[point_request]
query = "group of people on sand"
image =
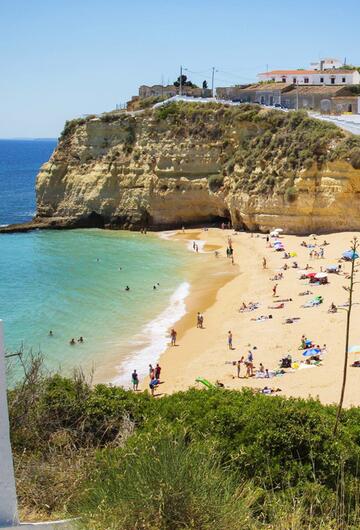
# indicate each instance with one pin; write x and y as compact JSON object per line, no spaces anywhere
{"x":248,"y":363}
{"x":154,"y":375}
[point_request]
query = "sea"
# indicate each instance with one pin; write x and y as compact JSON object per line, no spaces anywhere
{"x":73,"y":283}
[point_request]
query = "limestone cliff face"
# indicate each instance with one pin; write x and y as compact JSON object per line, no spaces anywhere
{"x":164,"y":169}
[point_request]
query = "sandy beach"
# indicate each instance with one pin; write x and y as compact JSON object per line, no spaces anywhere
{"x":205,"y":352}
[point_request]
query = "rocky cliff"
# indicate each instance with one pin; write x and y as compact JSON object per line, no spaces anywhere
{"x":187,"y":164}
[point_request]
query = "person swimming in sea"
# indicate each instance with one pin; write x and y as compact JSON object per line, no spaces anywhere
{"x":127,"y":288}
{"x":81,"y":339}
{"x":51,"y":334}
{"x":72,"y":342}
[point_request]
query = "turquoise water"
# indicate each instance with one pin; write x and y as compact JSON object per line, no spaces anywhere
{"x":69,"y":282}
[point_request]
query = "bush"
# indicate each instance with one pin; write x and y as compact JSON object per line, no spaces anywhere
{"x":355,"y":158}
{"x":291,"y":194}
{"x":160,"y":482}
{"x":215,"y":182}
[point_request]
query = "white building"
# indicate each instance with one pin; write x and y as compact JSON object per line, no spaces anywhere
{"x":327,"y":63}
{"x":313,"y":77}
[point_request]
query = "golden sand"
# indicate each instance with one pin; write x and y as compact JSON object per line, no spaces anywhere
{"x":219,"y":292}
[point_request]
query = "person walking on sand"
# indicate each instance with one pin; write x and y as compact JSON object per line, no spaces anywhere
{"x":198,"y":320}
{"x":230,"y":340}
{"x":152,"y":385}
{"x":264,"y":263}
{"x":173,"y":335}
{"x":157,"y":371}
{"x":135,"y":380}
{"x":274,"y":289}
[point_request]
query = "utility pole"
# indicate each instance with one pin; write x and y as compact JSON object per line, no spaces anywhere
{"x":212,"y":81}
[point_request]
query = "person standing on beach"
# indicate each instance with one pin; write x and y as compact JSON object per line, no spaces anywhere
{"x":264,"y":263}
{"x":151,"y":371}
{"x":274,"y":289}
{"x":230,"y":339}
{"x":238,"y":366}
{"x":157,"y":371}
{"x":173,"y":335}
{"x":135,"y":380}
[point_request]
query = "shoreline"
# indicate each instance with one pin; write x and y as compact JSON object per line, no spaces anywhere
{"x":199,"y":292}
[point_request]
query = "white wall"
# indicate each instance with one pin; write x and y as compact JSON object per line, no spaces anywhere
{"x":351,"y":78}
{"x":8,"y":502}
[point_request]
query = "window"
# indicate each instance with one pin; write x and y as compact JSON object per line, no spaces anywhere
{"x":294,"y":80}
{"x":343,"y":79}
{"x":321,"y":79}
{"x":306,"y":80}
{"x":332,"y":80}
{"x":283,"y":79}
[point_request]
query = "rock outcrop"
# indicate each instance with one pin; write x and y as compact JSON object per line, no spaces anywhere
{"x":190,"y":164}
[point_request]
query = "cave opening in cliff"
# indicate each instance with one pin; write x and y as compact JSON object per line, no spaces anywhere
{"x":218,"y":220}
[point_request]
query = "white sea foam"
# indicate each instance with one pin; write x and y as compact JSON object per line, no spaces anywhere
{"x":154,"y":338}
{"x":167,"y":234}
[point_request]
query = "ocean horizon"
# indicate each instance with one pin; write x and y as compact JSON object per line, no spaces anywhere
{"x":73,"y":283}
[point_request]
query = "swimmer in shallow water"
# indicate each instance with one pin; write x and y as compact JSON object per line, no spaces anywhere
{"x":81,"y":339}
{"x":51,"y":333}
{"x":72,"y":342}
{"x":127,"y":288}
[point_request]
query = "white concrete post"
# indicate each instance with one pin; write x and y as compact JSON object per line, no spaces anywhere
{"x":8,"y":501}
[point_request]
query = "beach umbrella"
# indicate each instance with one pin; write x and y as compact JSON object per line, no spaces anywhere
{"x":293,"y":254}
{"x":274,"y":234}
{"x":354,"y":349}
{"x":278,"y":230}
{"x":311,"y":274}
{"x":332,"y":267}
{"x":311,"y":352}
{"x":312,"y":235}
{"x":350,"y":254}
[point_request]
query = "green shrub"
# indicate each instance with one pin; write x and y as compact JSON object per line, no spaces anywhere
{"x":291,"y":194}
{"x":161,"y":482}
{"x":215,"y":182}
{"x":355,"y":158}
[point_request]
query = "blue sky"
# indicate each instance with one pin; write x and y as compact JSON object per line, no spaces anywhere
{"x":60,"y":59}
